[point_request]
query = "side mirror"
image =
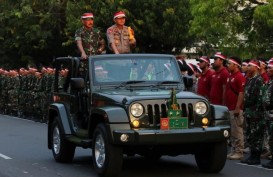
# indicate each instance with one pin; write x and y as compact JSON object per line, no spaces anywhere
{"x":77,"y":83}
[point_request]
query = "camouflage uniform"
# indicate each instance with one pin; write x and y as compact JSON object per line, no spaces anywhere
{"x":13,"y":85}
{"x":29,"y":96}
{"x":1,"y":92}
{"x":48,"y":79}
{"x":22,"y":95}
{"x":92,"y":40}
{"x":41,"y":97}
{"x":4,"y":94}
{"x":253,"y":113}
{"x":37,"y":100}
{"x":268,"y":106}
{"x":26,"y":94}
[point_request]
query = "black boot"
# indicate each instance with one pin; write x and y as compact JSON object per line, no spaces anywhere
{"x":253,"y":159}
{"x":269,"y":164}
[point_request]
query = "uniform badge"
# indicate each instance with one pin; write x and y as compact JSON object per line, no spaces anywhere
{"x":110,"y":30}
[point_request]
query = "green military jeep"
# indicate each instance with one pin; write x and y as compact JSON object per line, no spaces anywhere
{"x":132,"y":104}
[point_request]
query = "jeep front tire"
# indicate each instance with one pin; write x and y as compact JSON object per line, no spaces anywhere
{"x":212,"y":157}
{"x":107,"y":158}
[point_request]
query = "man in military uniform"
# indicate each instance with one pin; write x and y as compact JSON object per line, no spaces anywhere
{"x":4,"y":91}
{"x":89,"y":40}
{"x":23,"y":89}
{"x":31,"y":92}
{"x":268,"y":105}
{"x":2,"y":100}
{"x":120,"y":37}
{"x":12,"y":87}
{"x":254,"y":113}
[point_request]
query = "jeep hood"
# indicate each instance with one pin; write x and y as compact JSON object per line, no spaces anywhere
{"x":130,"y":96}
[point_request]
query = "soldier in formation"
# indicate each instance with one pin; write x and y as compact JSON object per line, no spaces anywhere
{"x":268,"y":108}
{"x":26,"y":93}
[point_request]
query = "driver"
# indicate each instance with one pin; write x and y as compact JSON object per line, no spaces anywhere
{"x":100,"y":73}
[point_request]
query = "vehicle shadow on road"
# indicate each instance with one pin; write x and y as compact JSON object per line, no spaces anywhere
{"x":137,"y":166}
{"x":140,"y":166}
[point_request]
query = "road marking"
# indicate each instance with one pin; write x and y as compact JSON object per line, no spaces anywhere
{"x":5,"y":157}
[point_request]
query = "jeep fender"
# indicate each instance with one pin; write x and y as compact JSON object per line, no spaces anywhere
{"x":58,"y":111}
{"x":112,"y":114}
{"x":114,"y":118}
{"x":220,"y":114}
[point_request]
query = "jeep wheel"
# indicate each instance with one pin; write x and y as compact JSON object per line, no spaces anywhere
{"x":212,"y":158}
{"x":63,"y":150}
{"x":107,"y":158}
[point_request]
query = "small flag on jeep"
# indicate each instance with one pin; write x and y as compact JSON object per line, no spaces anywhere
{"x":172,"y":102}
{"x":174,"y":119}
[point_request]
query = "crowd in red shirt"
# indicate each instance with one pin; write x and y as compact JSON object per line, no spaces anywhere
{"x":223,"y":83}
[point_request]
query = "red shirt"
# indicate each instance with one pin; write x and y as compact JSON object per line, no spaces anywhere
{"x":235,"y":84}
{"x":265,"y":77}
{"x":218,"y":81}
{"x":203,"y":85}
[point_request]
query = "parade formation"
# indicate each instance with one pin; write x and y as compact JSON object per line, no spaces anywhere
{"x":26,"y":93}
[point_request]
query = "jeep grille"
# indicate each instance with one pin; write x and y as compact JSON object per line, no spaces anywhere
{"x":158,"y":109}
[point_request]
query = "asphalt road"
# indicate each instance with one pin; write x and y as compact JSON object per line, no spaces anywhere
{"x":24,"y":153}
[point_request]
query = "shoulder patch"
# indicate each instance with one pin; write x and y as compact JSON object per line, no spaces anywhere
{"x":110,"y":30}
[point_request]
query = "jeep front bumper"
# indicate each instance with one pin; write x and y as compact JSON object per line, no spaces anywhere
{"x":181,"y":136}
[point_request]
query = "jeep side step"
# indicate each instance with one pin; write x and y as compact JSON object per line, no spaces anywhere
{"x":84,"y":143}
{"x":82,"y":133}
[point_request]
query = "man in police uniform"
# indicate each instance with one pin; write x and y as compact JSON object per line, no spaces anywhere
{"x":89,"y":40}
{"x":120,"y":37}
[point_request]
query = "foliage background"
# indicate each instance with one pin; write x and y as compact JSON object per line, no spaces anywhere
{"x":34,"y":32}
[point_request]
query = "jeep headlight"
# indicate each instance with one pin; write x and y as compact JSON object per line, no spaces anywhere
{"x":201,"y":108}
{"x":136,"y":110}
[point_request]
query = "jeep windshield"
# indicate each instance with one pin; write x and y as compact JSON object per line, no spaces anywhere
{"x":135,"y":70}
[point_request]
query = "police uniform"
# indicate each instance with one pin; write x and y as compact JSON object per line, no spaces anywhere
{"x":120,"y":38}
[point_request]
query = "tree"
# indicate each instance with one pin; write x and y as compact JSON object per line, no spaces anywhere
{"x":262,"y":29}
{"x":233,"y":27}
{"x":215,"y":22}
{"x":161,"y":26}
{"x":32,"y":29}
